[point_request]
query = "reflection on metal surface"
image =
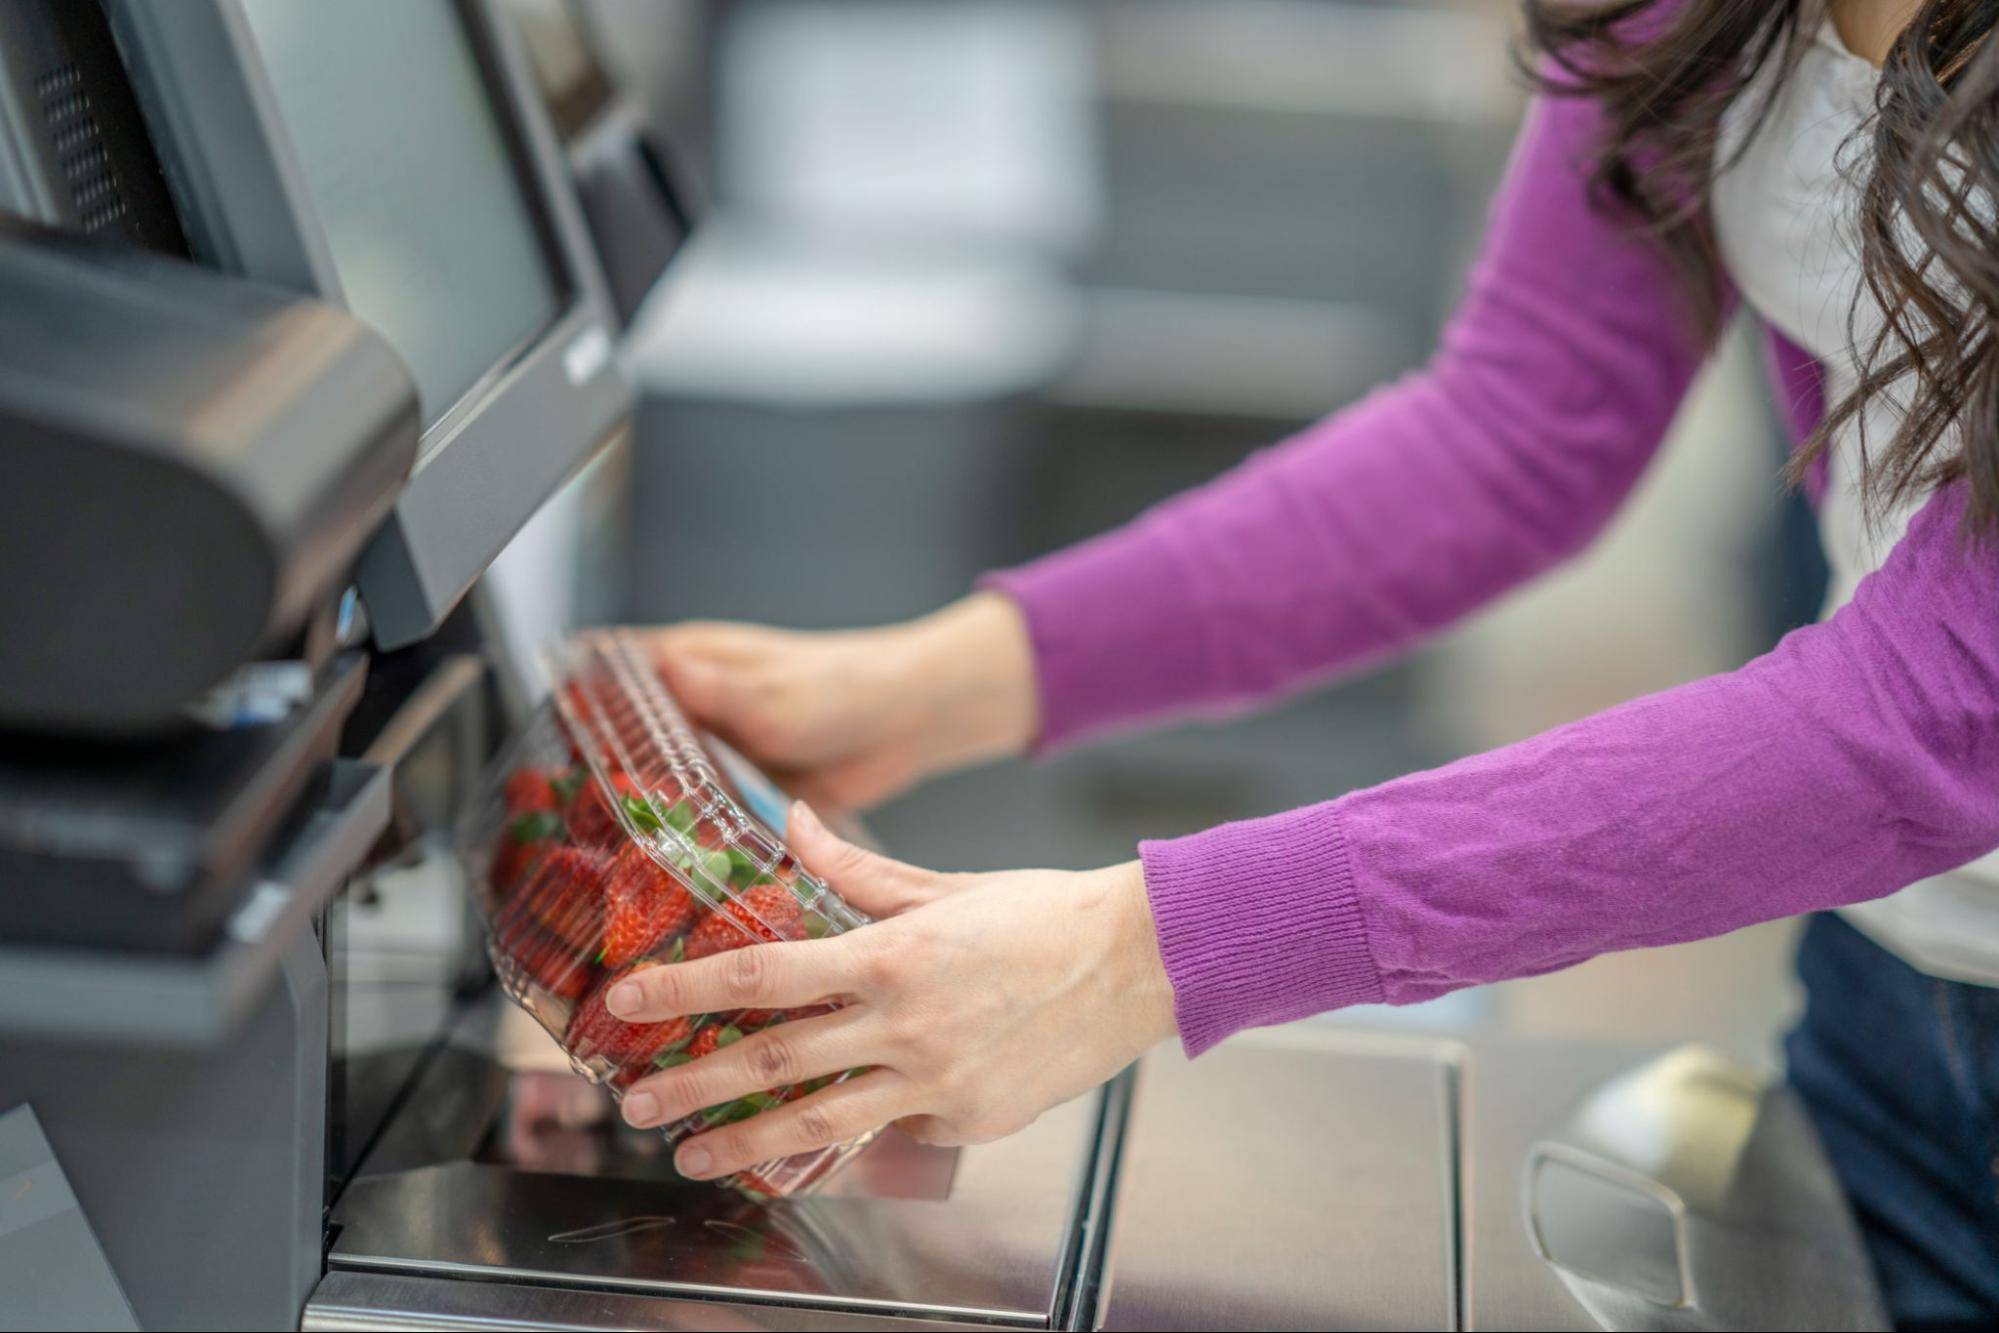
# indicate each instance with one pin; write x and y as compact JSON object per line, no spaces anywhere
{"x":555,"y":1121}
{"x":624,"y":1226}
{"x":783,"y":1245}
{"x":1691,"y":1193}
{"x":1300,"y":1186}
{"x":995,"y":1250}
{"x":1311,"y":1177}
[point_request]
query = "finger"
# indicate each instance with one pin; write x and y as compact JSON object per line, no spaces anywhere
{"x":711,"y":691}
{"x":833,"y":1115}
{"x":868,"y":880}
{"x":781,"y":1055}
{"x":787,"y":975}
{"x":714,"y":640}
{"x":854,"y":784}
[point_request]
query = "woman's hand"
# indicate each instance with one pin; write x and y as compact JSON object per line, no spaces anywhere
{"x":974,"y":1002}
{"x":850,"y":718}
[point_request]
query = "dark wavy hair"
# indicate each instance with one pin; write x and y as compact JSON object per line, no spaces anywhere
{"x":1666,"y":70}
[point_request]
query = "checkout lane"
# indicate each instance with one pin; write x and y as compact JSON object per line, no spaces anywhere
{"x":343,"y":1124}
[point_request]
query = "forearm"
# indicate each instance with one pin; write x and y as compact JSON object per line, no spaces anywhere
{"x":1857,"y":757}
{"x":1555,"y":381}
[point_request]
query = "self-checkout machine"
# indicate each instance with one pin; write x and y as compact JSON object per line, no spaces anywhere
{"x":305,"y":318}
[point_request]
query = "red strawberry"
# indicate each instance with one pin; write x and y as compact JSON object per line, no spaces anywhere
{"x":766,"y":913}
{"x":591,"y":819}
{"x":644,"y":905}
{"x":548,"y":962}
{"x":751,"y":1182}
{"x":594,"y":1033}
{"x":511,"y":863}
{"x":529,"y":789}
{"x":520,"y":844}
{"x":565,"y":896}
{"x":707,"y":1041}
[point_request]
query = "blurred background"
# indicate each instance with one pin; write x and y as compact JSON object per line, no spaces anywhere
{"x":978,"y":278}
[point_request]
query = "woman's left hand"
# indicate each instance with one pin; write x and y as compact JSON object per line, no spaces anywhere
{"x":974,"y":1003}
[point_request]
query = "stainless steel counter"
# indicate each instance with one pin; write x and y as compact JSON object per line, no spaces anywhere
{"x":390,"y":1301}
{"x":495,"y":1187}
{"x":1300,"y":1180}
{"x":1308,"y":1177}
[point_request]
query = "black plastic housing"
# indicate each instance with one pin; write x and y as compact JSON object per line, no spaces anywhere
{"x":192,"y":462}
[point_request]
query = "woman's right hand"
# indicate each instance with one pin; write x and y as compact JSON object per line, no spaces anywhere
{"x":846,"y":719}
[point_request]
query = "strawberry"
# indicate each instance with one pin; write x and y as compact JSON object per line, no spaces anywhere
{"x":563,"y":896}
{"x":756,"y":1185}
{"x":711,"y":1039}
{"x":594,"y":1033}
{"x":643,"y":904}
{"x":528,"y":790}
{"x":548,"y":962}
{"x":520,"y":845}
{"x":511,"y":863}
{"x":766,"y":914}
{"x":591,"y":819}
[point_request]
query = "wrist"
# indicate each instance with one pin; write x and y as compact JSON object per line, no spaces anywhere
{"x":972,"y":664}
{"x":1135,"y":964}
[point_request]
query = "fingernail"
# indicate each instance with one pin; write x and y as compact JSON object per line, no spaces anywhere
{"x":692,"y":1160}
{"x":624,"y":999}
{"x":641,"y":1109}
{"x":802,"y":817}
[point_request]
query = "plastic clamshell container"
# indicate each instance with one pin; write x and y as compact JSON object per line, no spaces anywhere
{"x":608,"y":839}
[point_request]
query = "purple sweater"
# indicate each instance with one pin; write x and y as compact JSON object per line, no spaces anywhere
{"x":1859,"y":755}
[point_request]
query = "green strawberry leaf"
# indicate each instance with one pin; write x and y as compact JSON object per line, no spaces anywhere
{"x":728,"y":1036}
{"x":535,"y":826}
{"x":641,"y":812}
{"x":728,"y":1113}
{"x":678,"y":953}
{"x":569,"y":784}
{"x":673,"y":1059}
{"x":680,"y":817}
{"x":719,"y":867}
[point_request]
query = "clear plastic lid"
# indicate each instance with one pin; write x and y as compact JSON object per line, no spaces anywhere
{"x":612,"y":837}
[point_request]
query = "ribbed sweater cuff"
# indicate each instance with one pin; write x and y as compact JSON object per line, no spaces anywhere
{"x":1259,"y":922}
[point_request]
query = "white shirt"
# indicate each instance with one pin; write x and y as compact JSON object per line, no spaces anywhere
{"x":1784,"y":216}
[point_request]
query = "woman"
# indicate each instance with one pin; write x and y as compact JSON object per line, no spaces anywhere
{"x":1833,"y":168}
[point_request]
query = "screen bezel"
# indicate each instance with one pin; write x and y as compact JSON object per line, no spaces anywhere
{"x":246,"y":208}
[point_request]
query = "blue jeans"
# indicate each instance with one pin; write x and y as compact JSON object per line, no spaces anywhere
{"x":1901,"y":1074}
